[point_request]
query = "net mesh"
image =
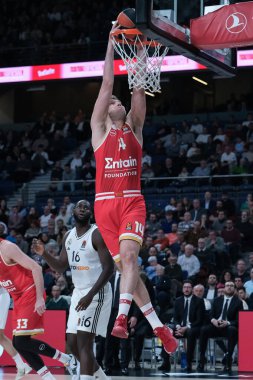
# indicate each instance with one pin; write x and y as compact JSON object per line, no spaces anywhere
{"x":143,"y":60}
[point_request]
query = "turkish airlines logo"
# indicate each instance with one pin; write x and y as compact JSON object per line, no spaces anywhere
{"x":236,"y":22}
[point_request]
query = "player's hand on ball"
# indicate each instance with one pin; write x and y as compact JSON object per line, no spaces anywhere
{"x":38,"y":247}
{"x":40,"y":306}
{"x":84,"y":302}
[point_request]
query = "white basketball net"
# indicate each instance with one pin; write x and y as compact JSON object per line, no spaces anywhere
{"x":143,"y":60}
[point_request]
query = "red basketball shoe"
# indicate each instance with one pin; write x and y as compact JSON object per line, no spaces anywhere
{"x":120,"y":327}
{"x":165,"y":335}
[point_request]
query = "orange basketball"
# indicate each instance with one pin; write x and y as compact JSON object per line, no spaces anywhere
{"x":126,"y":18}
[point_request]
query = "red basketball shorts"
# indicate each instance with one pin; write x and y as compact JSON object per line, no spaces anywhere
{"x":119,"y":219}
{"x":25,"y":320}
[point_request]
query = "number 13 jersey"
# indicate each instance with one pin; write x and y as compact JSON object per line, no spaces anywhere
{"x":84,"y":261}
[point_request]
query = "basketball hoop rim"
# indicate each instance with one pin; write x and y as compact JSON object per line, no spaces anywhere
{"x":132,"y":32}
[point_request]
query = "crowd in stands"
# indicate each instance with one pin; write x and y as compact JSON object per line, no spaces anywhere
{"x":26,"y":24}
{"x":41,"y":147}
{"x":199,"y":149}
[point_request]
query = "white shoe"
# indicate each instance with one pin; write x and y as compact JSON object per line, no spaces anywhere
{"x":71,"y":365}
{"x":22,"y":371}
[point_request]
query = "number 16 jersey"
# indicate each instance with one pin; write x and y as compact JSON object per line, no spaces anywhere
{"x":84,"y":261}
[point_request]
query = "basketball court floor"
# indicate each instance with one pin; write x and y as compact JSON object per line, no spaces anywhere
{"x":8,"y":373}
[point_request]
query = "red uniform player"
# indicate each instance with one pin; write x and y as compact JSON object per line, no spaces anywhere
{"x":119,"y":206}
{"x":22,"y":278}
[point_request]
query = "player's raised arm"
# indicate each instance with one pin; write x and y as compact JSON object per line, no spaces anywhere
{"x":58,"y":263}
{"x":137,"y":113}
{"x":100,"y":111}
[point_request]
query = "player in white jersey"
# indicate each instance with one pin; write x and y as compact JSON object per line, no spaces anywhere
{"x":5,"y":342}
{"x":91,"y":264}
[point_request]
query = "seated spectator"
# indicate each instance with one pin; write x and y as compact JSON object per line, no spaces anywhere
{"x":146,"y":158}
{"x":63,"y":215}
{"x":63,"y":285}
{"x":150,"y":270}
{"x":162,"y":284}
{"x":206,"y":256}
{"x":208,"y":203}
{"x":226,"y":275}
{"x":249,"y":284}
{"x":241,"y":270}
{"x":76,"y":162}
{"x":15,"y":220}
{"x":152,"y":224}
{"x":232,"y":239}
{"x":32,"y":216}
{"x":87,"y":173}
{"x":223,"y":323}
{"x":219,"y":223}
{"x":161,"y":242}
{"x":23,"y":170}
{"x":68,"y":178}
{"x":228,"y":158}
{"x":56,"y":176}
{"x":44,"y":218}
{"x":211,"y":291}
{"x":167,"y":221}
{"x":238,"y":282}
{"x":147,"y":171}
{"x":173,"y":235}
{"x":193,"y":151}
{"x":245,"y":228}
{"x":171,"y":206}
{"x":243,"y":296}
{"x":189,"y":262}
{"x":202,"y":138}
{"x":57,"y":302}
{"x":183,"y":176}
{"x":216,"y":245}
{"x":197,"y":126}
{"x":40,"y":160}
{"x":22,"y":243}
{"x":202,"y":170}
{"x":186,"y":224}
{"x":192,"y":235}
{"x":220,"y":136}
{"x":197,"y":211}
{"x":189,"y":314}
{"x":173,"y":270}
{"x":199,"y":291}
{"x":32,"y":231}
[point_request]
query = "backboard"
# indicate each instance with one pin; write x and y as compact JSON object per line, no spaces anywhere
{"x":159,"y":20}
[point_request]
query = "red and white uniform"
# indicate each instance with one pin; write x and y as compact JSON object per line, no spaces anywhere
{"x":119,"y":206}
{"x":19,"y":283}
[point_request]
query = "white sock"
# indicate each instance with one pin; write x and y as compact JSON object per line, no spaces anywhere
{"x":151,"y":315}
{"x":45,"y":373}
{"x":100,"y":374}
{"x":86,"y":377}
{"x":61,"y":357}
{"x":18,"y":360}
{"x":125,"y":301}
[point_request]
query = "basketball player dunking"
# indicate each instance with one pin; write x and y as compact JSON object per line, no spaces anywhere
{"x":119,"y":206}
{"x":22,"y":278}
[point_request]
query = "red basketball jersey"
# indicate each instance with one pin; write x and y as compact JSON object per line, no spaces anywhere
{"x":13,"y":277}
{"x":118,"y":162}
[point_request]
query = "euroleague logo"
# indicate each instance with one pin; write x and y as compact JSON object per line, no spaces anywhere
{"x":236,"y":22}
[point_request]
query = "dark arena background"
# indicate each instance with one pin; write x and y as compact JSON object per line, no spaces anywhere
{"x":196,"y":178}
